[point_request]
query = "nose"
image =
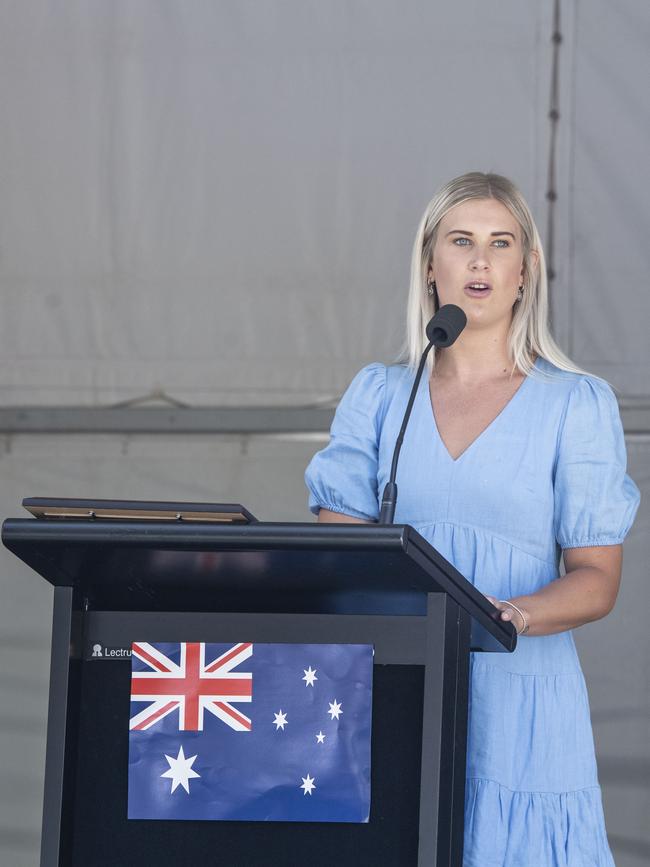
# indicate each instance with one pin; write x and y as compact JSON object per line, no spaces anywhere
{"x":479,"y":261}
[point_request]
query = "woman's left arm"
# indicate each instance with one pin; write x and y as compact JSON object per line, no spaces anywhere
{"x":587,"y":592}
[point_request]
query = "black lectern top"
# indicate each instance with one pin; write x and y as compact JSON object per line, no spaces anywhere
{"x":258,"y":567}
{"x":342,"y":568}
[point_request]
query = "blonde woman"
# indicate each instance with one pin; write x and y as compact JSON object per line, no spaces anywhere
{"x":513,"y":458}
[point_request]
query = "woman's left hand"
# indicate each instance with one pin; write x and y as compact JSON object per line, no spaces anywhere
{"x":509,"y":614}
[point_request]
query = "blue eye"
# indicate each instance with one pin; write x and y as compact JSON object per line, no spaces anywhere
{"x":501,"y":243}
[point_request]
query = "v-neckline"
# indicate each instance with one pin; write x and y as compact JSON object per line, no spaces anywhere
{"x":485,"y":430}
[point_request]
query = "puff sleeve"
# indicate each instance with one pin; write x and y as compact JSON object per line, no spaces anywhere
{"x":595,"y":501}
{"x":343,"y":476}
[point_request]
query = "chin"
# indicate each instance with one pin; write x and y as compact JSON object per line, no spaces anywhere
{"x":478,"y":317}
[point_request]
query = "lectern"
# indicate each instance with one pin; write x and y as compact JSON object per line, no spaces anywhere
{"x":120,"y":581}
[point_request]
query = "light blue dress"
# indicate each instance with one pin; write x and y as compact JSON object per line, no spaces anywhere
{"x":547,"y":474}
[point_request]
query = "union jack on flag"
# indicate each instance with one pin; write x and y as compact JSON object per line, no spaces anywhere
{"x":192,"y":686}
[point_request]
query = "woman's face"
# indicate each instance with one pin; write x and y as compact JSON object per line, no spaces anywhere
{"x":477,"y":261}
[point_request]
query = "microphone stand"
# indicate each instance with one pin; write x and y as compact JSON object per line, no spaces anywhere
{"x":442,"y":331}
{"x":389,"y":497}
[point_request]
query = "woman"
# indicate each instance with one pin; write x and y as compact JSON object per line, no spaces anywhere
{"x":512,"y":458}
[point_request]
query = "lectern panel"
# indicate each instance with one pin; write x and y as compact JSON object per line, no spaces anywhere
{"x":103,"y":837}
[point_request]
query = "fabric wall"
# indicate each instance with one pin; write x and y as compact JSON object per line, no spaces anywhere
{"x":602,"y":308}
{"x":217,"y":200}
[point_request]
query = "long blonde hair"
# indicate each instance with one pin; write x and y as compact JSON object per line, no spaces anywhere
{"x":529,"y":334}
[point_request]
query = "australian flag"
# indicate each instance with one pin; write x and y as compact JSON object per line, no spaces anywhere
{"x":277,"y":732}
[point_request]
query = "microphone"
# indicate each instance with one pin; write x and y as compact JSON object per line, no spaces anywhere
{"x":441,"y":331}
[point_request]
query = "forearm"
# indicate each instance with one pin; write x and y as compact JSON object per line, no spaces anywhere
{"x":587,"y":592}
{"x":579,"y":597}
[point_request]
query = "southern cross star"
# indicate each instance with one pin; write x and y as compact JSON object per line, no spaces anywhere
{"x":310,"y":676}
{"x":335,"y":709}
{"x":320,"y":738}
{"x":180,"y":771}
{"x":280,"y":720}
{"x":308,"y":784}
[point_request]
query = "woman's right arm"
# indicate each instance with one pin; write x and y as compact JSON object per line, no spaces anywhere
{"x":342,"y":477}
{"x":325,"y":516}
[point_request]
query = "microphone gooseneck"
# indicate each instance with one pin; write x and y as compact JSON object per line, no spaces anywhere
{"x":442,"y":331}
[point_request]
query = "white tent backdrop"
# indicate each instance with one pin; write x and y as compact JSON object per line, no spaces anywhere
{"x":217,"y":200}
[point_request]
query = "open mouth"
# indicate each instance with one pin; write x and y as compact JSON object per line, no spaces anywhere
{"x":477,"y":288}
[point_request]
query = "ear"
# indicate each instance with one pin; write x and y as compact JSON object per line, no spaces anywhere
{"x":430,"y":272}
{"x":534,"y":261}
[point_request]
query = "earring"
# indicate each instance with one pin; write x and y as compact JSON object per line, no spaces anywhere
{"x":431,"y":288}
{"x":520,"y":294}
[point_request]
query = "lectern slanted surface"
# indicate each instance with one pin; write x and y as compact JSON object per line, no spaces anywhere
{"x":258,"y":567}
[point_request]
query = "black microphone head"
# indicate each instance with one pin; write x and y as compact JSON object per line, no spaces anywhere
{"x":446,"y":325}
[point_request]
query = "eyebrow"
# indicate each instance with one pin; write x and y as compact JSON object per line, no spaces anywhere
{"x":465,"y":232}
